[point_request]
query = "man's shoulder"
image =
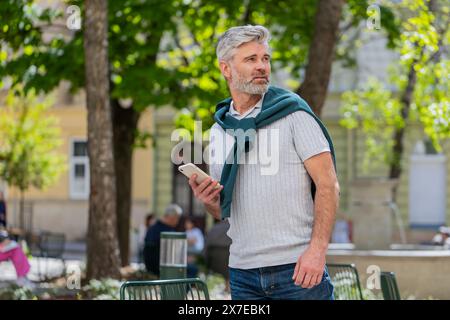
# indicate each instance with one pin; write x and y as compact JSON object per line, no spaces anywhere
{"x":301,"y":115}
{"x":291,"y":97}
{"x":215,"y":126}
{"x":216,"y":129}
{"x":295,"y":118}
{"x":157,"y":226}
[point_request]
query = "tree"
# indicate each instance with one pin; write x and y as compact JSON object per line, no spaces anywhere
{"x":421,"y":78}
{"x":103,"y":255}
{"x":28,"y":142}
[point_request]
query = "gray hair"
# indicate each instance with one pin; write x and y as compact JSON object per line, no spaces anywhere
{"x":236,"y":36}
{"x":173,"y":209}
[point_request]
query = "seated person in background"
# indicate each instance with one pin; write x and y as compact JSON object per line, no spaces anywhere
{"x":167,"y":223}
{"x":11,"y":250}
{"x":194,"y":237}
{"x":196,"y":243}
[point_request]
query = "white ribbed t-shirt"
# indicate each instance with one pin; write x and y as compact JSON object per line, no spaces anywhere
{"x":272,"y":210}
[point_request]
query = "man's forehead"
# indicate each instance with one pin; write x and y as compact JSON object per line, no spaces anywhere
{"x":249,"y":48}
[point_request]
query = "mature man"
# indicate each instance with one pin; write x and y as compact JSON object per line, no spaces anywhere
{"x":280,"y":220}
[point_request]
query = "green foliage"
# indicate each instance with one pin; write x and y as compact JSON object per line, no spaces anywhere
{"x":378,"y":112}
{"x":353,"y":21}
{"x":432,"y":101}
{"x":136,"y":29}
{"x":161,"y":52}
{"x":141,"y":139}
{"x":29,"y":139}
{"x":424,"y":36}
{"x":104,"y":289}
{"x":16,"y":292}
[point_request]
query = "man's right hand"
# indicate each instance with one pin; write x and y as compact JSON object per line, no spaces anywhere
{"x":206,"y":193}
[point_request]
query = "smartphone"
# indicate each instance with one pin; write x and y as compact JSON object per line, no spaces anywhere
{"x":189,"y":169}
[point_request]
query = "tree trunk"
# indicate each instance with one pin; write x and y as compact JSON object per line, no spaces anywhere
{"x":103,"y":260}
{"x":397,"y":150}
{"x":321,"y":53}
{"x":396,"y":170}
{"x":125,"y":124}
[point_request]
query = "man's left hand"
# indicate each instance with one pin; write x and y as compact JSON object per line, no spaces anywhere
{"x":309,"y":268}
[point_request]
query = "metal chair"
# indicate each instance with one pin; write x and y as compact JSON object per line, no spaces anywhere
{"x":173,"y":289}
{"x":389,"y":286}
{"x":51,"y":245}
{"x":346,"y":282}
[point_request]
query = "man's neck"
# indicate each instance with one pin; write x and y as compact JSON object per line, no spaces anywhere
{"x":242,"y":102}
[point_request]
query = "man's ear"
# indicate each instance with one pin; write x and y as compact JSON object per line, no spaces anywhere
{"x":225,"y":69}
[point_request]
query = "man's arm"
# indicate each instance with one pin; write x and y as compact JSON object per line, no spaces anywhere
{"x":206,"y":193}
{"x":214,"y":210}
{"x":326,"y":201}
{"x":309,"y":269}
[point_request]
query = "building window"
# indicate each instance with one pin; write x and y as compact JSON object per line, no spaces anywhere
{"x":79,"y":170}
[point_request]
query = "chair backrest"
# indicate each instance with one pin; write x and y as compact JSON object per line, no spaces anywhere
{"x":51,"y":244}
{"x":173,"y":289}
{"x":389,"y":286}
{"x":346,"y":283}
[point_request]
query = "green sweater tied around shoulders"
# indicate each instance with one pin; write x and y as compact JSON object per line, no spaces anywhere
{"x":277,"y":104}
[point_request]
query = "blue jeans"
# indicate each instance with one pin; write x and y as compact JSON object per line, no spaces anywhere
{"x":275,"y":283}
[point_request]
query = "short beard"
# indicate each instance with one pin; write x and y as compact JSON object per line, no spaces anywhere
{"x":240,"y":84}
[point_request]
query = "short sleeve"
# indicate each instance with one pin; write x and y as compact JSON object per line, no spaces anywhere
{"x":309,"y":139}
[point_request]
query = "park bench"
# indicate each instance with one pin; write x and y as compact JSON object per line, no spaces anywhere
{"x":389,"y":286}
{"x":173,"y":289}
{"x":346,"y":282}
{"x":50,"y":245}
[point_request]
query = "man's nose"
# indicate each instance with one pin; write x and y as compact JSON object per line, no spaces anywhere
{"x":261,"y":68}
